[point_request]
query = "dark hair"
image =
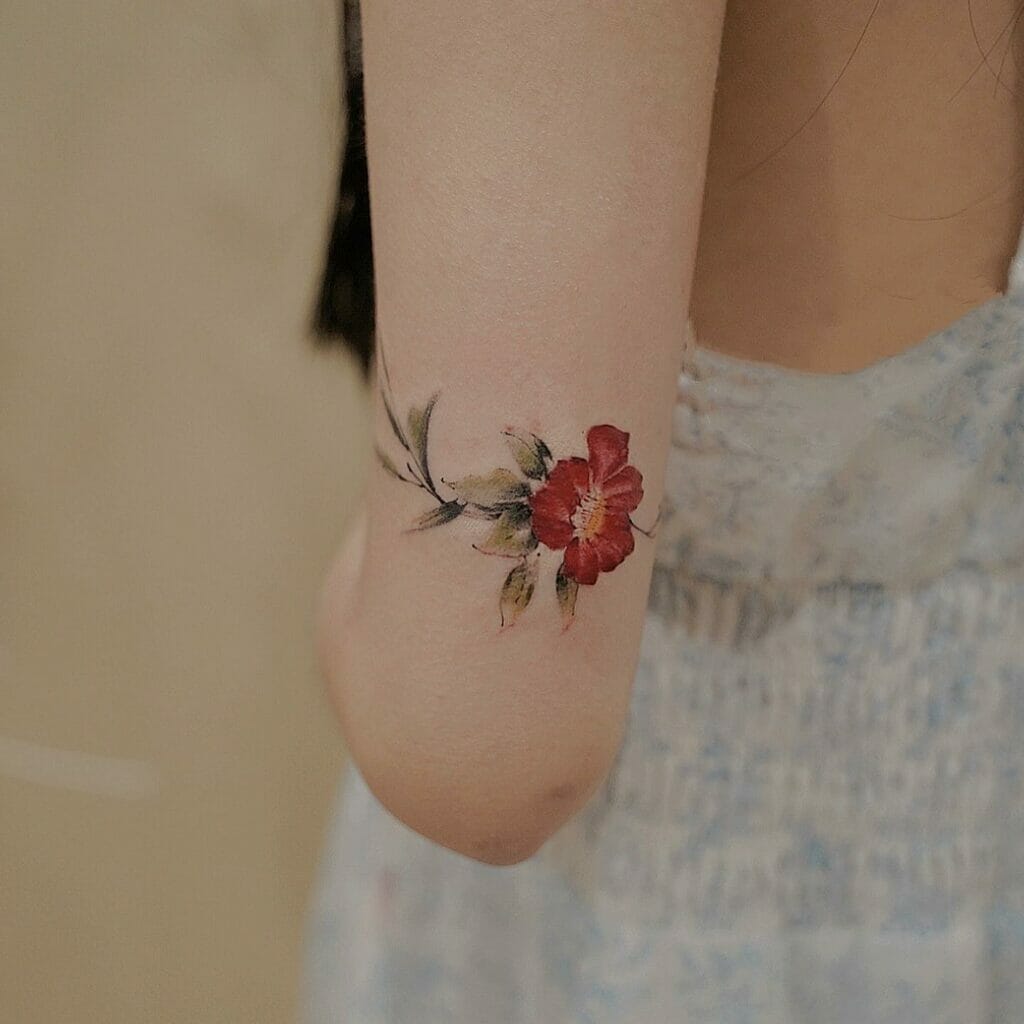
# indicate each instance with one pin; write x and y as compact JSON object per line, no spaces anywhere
{"x":345,"y":307}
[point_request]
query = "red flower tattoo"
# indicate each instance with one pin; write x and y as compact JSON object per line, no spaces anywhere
{"x":580,"y":506}
{"x":585,"y":505}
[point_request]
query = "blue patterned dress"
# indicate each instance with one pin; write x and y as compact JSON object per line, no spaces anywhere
{"x":817,"y":814}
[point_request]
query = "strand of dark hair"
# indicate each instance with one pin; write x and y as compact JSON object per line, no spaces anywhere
{"x":345,"y":307}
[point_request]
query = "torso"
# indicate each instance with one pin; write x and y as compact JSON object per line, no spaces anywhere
{"x":831,"y":241}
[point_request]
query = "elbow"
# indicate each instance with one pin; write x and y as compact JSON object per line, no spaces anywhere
{"x":491,"y":784}
{"x":515,"y":843}
{"x":497,"y":817}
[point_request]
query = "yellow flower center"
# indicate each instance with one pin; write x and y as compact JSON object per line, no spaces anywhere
{"x":589,"y":516}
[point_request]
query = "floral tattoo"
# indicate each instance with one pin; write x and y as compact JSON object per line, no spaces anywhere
{"x":580,"y":506}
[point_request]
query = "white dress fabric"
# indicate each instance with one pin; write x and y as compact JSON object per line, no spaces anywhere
{"x":817,"y":813}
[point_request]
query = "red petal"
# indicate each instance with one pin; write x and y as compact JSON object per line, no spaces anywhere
{"x":581,"y":562}
{"x":609,"y":451}
{"x":614,"y":543}
{"x":555,"y":502}
{"x":623,"y":491}
{"x":550,"y":530}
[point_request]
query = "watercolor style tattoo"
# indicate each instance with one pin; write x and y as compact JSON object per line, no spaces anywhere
{"x":580,"y":506}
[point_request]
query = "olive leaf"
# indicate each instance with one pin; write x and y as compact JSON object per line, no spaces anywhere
{"x":419,"y":425}
{"x":518,"y":590}
{"x":532,"y":455}
{"x":511,"y":534}
{"x":501,"y":487}
{"x":566,"y":589}
{"x":444,"y":513}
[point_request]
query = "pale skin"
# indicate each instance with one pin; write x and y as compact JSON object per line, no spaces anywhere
{"x":866,"y":179}
{"x":537,"y":178}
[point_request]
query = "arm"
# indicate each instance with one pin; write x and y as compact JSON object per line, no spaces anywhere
{"x":536,"y":175}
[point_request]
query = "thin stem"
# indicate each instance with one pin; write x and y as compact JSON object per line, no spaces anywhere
{"x":420,"y":473}
{"x":652,"y":532}
{"x":496,"y":554}
{"x":426,"y":485}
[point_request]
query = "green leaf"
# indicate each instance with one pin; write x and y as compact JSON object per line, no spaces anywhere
{"x":502,"y":487}
{"x":517,"y":590}
{"x":388,"y":464}
{"x":511,"y":534}
{"x":419,"y":426}
{"x":566,"y":589}
{"x":532,"y":455}
{"x":439,"y":516}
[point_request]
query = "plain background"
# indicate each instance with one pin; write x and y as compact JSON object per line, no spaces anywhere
{"x":176,"y":464}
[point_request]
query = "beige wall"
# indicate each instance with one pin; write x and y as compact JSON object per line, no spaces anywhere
{"x":176,"y":463}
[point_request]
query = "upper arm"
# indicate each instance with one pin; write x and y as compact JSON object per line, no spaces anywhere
{"x":536,"y":174}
